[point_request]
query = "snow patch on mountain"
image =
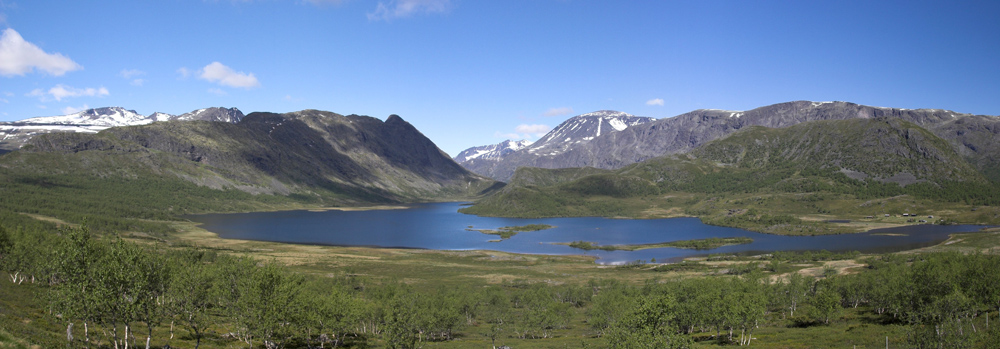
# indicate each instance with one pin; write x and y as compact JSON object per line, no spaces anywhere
{"x":618,"y":124}
{"x":158,"y":116}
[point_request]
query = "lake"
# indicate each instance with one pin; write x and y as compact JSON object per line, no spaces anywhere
{"x":439,"y":226}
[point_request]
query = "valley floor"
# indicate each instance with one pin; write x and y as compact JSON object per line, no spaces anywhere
{"x":23,"y":319}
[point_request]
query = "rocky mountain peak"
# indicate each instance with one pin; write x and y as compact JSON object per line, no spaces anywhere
{"x":584,"y":128}
{"x":221,"y":114}
{"x":394,"y":118}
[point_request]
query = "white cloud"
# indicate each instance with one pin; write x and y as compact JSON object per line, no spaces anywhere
{"x":219,"y":73}
{"x":131,"y":73}
{"x":499,"y":134}
{"x":217,"y":91}
{"x":19,"y":57}
{"x":183,"y":72}
{"x":4,"y":100}
{"x":558,"y":111}
{"x":655,"y":101}
{"x":536,"y":130}
{"x":71,"y":110}
{"x":325,"y":2}
{"x":62,"y":91}
{"x":406,"y":8}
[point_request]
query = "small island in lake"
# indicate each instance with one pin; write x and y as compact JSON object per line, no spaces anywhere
{"x":699,"y":244}
{"x":508,"y":232}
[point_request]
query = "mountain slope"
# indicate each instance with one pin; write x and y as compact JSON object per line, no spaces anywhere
{"x":320,"y":157}
{"x":883,"y":149}
{"x":977,"y":138}
{"x":548,"y":151}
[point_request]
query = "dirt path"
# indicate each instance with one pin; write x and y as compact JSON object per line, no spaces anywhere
{"x":842,"y":267}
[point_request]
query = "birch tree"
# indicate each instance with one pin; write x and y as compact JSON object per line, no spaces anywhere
{"x":190,"y":296}
{"x":647,"y":324}
{"x":75,"y":292}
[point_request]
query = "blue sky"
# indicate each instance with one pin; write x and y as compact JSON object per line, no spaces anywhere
{"x":473,"y":72}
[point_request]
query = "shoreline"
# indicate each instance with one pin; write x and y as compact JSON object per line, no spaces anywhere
{"x":315,"y":208}
{"x":356,"y":208}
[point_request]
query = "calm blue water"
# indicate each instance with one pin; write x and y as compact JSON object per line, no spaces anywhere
{"x":439,"y":226}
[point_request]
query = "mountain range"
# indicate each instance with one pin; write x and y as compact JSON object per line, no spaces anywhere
{"x":972,"y":136}
{"x":854,"y":167}
{"x":326,"y":158}
{"x":15,"y":134}
{"x":310,"y":155}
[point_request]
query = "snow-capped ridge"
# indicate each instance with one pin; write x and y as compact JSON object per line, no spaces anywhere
{"x":107,"y":116}
{"x":118,"y":116}
{"x":492,"y":151}
{"x":16,"y":133}
{"x":607,"y":113}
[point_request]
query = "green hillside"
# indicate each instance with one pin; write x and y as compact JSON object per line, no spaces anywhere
{"x":121,"y":177}
{"x":884,"y":149}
